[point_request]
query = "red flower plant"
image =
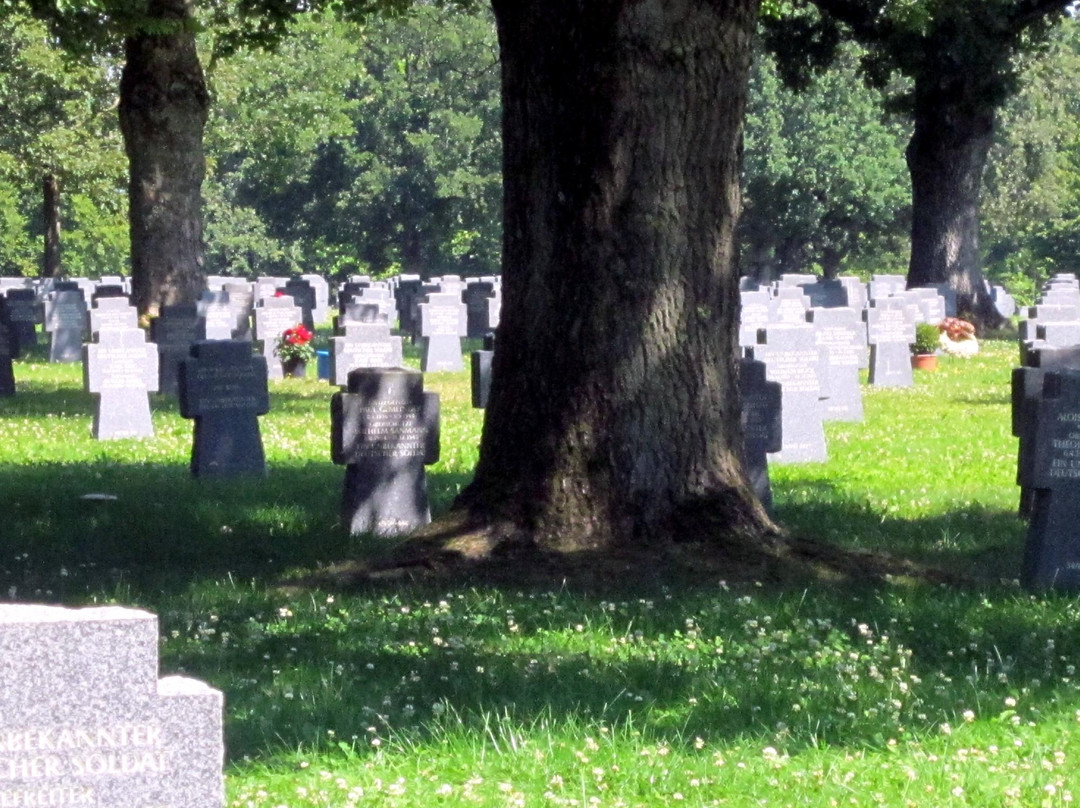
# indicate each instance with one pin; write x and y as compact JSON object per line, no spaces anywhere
{"x":295,"y":344}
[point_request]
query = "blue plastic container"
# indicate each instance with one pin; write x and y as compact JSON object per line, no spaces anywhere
{"x":322,"y":363}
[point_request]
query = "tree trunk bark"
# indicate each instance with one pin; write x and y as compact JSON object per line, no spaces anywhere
{"x":946,"y":156}
{"x":614,"y":410}
{"x":50,"y":215}
{"x":163,"y":110}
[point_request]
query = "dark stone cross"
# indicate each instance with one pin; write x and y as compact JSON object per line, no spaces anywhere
{"x":762,"y":422}
{"x":224,"y":388}
{"x":1052,"y":552}
{"x":120,"y":369}
{"x":174,"y":330}
{"x":26,"y":314}
{"x":304,"y":296}
{"x":384,"y":430}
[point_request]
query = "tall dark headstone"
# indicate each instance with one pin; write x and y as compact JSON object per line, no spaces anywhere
{"x":9,"y":349}
{"x":223,"y":387}
{"x":478,"y":312}
{"x":1052,"y":552}
{"x":303,"y":296}
{"x":480,"y":372}
{"x":26,"y":314}
{"x":120,"y":369}
{"x":384,"y":430}
{"x":762,"y":422}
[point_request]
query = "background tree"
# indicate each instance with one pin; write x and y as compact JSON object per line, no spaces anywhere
{"x":824,"y":177}
{"x":59,"y":122}
{"x":962,"y":57}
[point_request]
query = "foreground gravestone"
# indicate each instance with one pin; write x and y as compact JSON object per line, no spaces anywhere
{"x":223,"y":387}
{"x":120,"y":369}
{"x":85,"y":721}
{"x":762,"y":424}
{"x":384,"y":430}
{"x":1052,"y":552}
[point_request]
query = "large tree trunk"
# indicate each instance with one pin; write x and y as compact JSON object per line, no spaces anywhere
{"x":163,"y":109}
{"x":614,"y":413}
{"x":50,"y":218}
{"x":946,"y":156}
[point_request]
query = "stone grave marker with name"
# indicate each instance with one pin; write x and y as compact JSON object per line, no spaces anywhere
{"x":322,"y":296}
{"x":26,"y":313}
{"x":384,"y":430}
{"x":120,"y":369}
{"x":443,"y":322}
{"x":65,"y":320}
{"x":477,"y":296}
{"x":890,"y":331}
{"x":85,"y":720}
{"x":792,"y":359}
{"x":111,"y":314}
{"x":753,"y":314}
{"x":303,"y":296}
{"x":788,"y":305}
{"x":407,"y":293}
{"x":364,"y":341}
{"x":762,"y":423}
{"x":223,"y":387}
{"x":217,"y":319}
{"x":242,"y":302}
{"x":837,"y":334}
{"x":272,"y":317}
{"x":1052,"y":552}
{"x":174,"y":331}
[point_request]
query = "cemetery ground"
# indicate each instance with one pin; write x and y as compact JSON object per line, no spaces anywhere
{"x":707,"y":691}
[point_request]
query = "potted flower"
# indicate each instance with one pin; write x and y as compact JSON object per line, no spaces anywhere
{"x":295,"y":350}
{"x":958,"y":337}
{"x":924,"y":348}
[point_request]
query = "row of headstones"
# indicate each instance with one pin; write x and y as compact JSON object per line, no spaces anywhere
{"x":1054,"y":320}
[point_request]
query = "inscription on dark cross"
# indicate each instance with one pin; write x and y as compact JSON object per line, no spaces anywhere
{"x":384,"y":430}
{"x":224,"y":388}
{"x":1052,"y":552}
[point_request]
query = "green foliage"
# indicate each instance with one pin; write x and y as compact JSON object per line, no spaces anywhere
{"x":927,"y":338}
{"x":362,"y":148}
{"x":825,"y":181}
{"x":60,"y":119}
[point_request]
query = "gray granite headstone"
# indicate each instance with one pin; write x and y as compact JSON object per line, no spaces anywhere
{"x":217,"y":317}
{"x":85,"y":720}
{"x":273,"y":316}
{"x":792,"y":359}
{"x":242,"y":302}
{"x":762,"y":423}
{"x":443,"y":322}
{"x":363,"y":345}
{"x":384,"y":430}
{"x":112,"y":313}
{"x":753,"y":314}
{"x":890,"y":331}
{"x":65,"y":320}
{"x":223,"y":387}
{"x":837,"y":334}
{"x":120,"y":369}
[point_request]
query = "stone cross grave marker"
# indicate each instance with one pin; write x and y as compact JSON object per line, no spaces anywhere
{"x":753,"y":314}
{"x":1052,"y":552}
{"x":272,"y":317}
{"x":762,"y":423}
{"x":173,"y":331}
{"x":364,"y":341}
{"x":443,"y":322}
{"x":322,"y":296}
{"x":111,"y":314}
{"x":384,"y":430}
{"x":65,"y":320}
{"x":837,"y":336}
{"x":217,"y":318}
{"x":792,"y":359}
{"x":242,"y":302}
{"x":478,"y":312}
{"x":9,"y":349}
{"x":26,"y":314}
{"x":223,"y":387}
{"x":890,"y":331}
{"x":85,"y":720}
{"x":120,"y":369}
{"x":303,"y":296}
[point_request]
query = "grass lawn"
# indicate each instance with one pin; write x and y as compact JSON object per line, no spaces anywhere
{"x":422,"y":694}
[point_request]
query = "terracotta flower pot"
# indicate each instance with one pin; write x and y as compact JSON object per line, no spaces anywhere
{"x":924,"y":361}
